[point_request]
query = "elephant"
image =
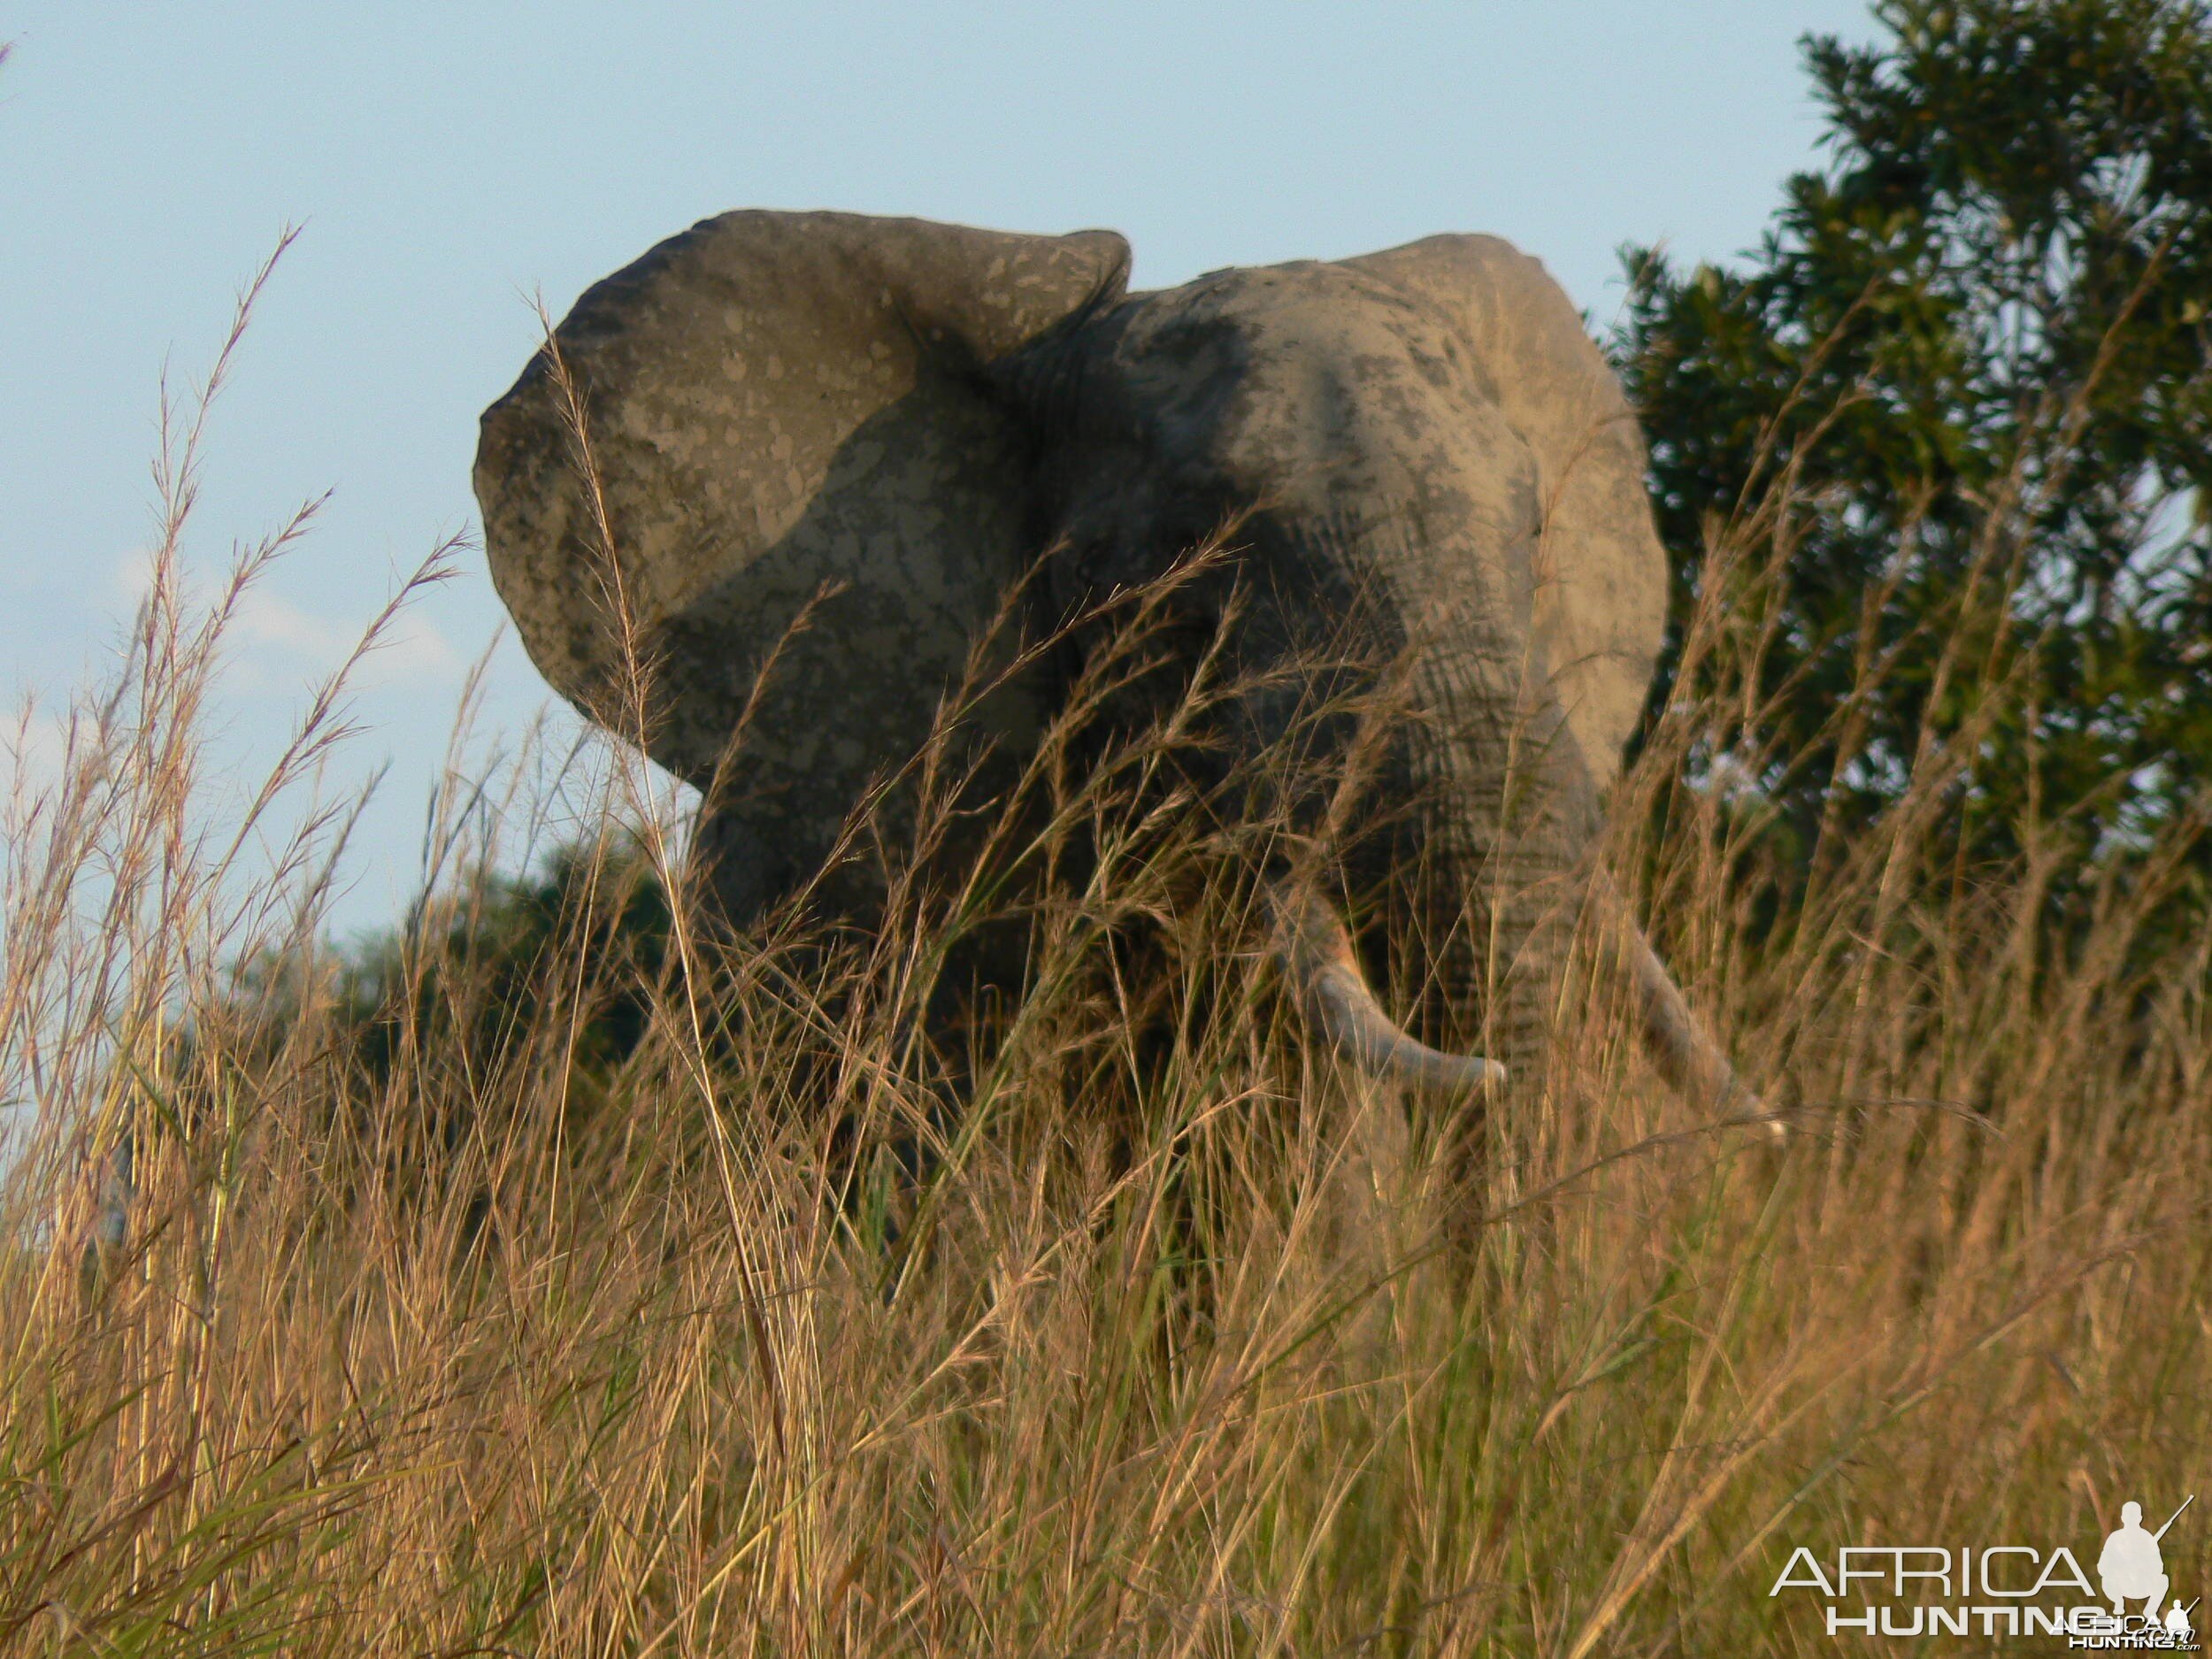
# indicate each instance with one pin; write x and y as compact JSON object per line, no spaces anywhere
{"x":797,"y":461}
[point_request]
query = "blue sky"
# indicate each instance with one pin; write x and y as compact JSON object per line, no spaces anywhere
{"x":448,"y":161}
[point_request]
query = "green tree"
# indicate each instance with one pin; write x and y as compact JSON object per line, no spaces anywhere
{"x":576,"y":949}
{"x":1953,"y":418}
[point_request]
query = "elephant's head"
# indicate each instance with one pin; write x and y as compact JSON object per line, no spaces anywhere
{"x":880,"y":424}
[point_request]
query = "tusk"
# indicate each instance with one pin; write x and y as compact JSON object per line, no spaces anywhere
{"x":1690,"y":1061}
{"x":1315,"y":953}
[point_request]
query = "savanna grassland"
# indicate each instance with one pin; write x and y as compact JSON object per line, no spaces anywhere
{"x":561,"y":1275}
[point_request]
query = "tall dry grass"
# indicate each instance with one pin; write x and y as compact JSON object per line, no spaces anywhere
{"x":795,"y":1330}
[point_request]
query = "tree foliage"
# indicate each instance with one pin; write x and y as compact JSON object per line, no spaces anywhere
{"x":1953,"y":417}
{"x":575,"y":947}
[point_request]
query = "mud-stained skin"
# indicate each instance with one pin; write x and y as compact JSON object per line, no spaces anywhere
{"x":894,"y":421}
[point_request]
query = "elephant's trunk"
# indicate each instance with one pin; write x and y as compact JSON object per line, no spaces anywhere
{"x":1518,"y":805}
{"x":1316,"y":955}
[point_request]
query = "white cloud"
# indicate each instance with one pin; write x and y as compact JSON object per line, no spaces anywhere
{"x":32,"y":746}
{"x":135,"y":577}
{"x":264,"y":619}
{"x":278,"y":636}
{"x":414,"y":649}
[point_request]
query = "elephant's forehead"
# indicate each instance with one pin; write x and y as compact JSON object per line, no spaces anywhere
{"x":1315,"y":387}
{"x":1456,"y":462}
{"x":1294,"y":319}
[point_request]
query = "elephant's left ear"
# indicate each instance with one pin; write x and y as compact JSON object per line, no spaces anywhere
{"x":768,"y":408}
{"x":1602,"y":577}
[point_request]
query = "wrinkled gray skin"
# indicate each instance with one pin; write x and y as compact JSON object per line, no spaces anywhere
{"x":1435,"y":459}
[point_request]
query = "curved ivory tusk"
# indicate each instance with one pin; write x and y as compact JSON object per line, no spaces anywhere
{"x":1689,"y":1059}
{"x":1314,"y":951}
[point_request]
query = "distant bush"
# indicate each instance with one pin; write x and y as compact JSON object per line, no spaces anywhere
{"x":581,"y":943}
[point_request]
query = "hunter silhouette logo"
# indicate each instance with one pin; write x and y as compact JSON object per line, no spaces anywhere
{"x":1998,"y":1590}
{"x":2133,"y":1568}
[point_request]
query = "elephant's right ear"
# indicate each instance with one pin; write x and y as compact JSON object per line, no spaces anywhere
{"x":771,"y":404}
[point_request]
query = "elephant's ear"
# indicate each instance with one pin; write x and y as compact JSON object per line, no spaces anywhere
{"x":775,"y":405}
{"x":1601,"y":576}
